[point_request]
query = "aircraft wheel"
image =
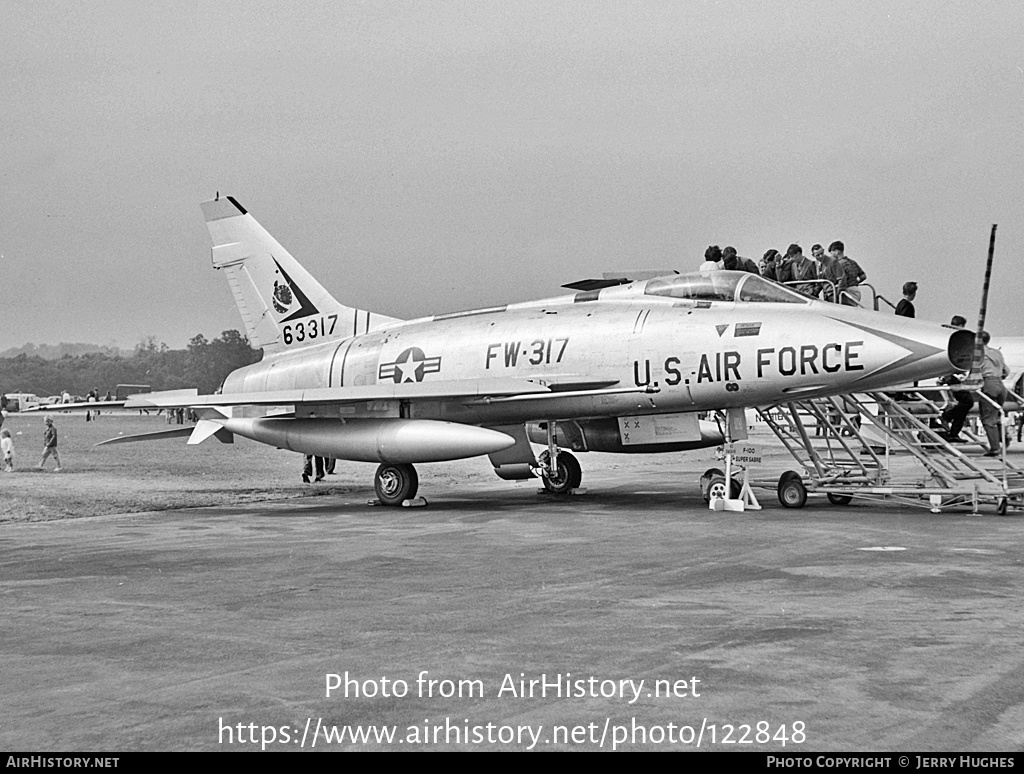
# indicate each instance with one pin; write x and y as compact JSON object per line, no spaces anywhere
{"x":395,"y":482}
{"x":705,"y":481}
{"x":1001,"y":506}
{"x":716,"y":489}
{"x":569,"y":475}
{"x":839,"y":499}
{"x":792,"y":492}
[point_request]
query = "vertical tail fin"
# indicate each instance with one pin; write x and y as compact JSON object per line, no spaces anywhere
{"x":281,"y":304}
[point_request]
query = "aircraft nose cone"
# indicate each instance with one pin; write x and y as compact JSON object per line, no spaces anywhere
{"x":905,"y":350}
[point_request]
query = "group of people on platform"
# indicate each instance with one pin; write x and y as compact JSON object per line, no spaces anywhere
{"x":833,"y":276}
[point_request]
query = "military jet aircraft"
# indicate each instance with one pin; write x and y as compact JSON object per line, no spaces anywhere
{"x":621,"y":366}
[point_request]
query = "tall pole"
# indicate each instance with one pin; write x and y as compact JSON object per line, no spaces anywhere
{"x":988,"y":276}
{"x":974,"y":378}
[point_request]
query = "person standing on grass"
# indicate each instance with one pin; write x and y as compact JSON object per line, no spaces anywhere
{"x":7,"y":447}
{"x":50,"y":445}
{"x":312,"y":463}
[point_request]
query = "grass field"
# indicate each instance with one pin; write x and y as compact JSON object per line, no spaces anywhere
{"x":165,"y":474}
{"x":160,"y":475}
{"x":149,"y":476}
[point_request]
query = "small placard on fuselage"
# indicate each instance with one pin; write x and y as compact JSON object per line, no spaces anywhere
{"x":659,"y":428}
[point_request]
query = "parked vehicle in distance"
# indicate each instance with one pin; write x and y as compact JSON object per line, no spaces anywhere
{"x":20,"y":401}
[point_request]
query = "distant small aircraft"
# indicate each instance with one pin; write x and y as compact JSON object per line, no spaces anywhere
{"x":619,"y":366}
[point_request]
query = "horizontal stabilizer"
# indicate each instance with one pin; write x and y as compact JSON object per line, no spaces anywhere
{"x":178,"y":432}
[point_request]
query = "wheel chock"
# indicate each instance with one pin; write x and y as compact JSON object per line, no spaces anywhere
{"x":723,"y":504}
{"x":417,"y":502}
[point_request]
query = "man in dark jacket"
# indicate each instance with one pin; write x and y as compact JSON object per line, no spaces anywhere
{"x":804,"y":271}
{"x":769,"y":265}
{"x":905,"y":308}
{"x":735,"y":262}
{"x":954,"y":416}
{"x":849,"y":293}
{"x":50,"y":445}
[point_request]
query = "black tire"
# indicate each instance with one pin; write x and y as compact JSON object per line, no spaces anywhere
{"x":839,"y":499}
{"x":395,"y":482}
{"x":717,"y":489}
{"x":568,"y":477}
{"x":1002,"y":506}
{"x":792,"y":492}
{"x":705,"y":481}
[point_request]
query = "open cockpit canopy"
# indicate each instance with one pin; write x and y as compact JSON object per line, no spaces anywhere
{"x":723,"y":286}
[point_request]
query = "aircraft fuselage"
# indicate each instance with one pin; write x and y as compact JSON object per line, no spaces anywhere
{"x":691,"y":355}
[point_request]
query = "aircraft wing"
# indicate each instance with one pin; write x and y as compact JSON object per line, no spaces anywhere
{"x":454,"y":388}
{"x":96,"y":404}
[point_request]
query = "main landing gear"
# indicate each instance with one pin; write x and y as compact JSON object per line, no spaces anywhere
{"x":395,"y":482}
{"x":559,"y":470}
{"x":562,"y":477}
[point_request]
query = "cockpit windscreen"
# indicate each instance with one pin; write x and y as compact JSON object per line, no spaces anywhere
{"x":722,"y":286}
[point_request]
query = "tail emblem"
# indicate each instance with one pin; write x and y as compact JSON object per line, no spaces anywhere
{"x":410,"y":366}
{"x":282,"y":297}
{"x":287,"y":293}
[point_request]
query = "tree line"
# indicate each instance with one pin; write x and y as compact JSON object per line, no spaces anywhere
{"x":203,"y":364}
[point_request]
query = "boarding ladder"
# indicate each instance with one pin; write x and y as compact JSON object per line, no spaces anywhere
{"x":843,"y":445}
{"x":823,"y":436}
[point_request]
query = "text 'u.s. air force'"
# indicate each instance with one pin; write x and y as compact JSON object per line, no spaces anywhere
{"x":767,"y":362}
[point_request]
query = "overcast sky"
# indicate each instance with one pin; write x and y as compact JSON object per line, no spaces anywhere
{"x":426,"y":157}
